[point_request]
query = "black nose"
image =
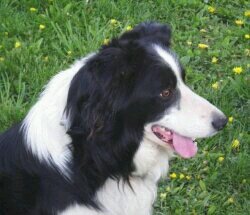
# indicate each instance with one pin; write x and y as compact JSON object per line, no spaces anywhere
{"x":219,"y":122}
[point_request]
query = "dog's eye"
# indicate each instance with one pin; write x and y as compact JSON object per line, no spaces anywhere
{"x":165,"y":93}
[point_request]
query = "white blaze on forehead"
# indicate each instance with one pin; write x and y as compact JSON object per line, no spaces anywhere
{"x":170,"y":59}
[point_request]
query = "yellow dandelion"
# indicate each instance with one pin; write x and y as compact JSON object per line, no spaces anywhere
{"x":237,"y":70}
{"x":113,"y":21}
{"x":230,"y":119}
{"x":32,"y":9}
{"x":247,"y":36}
{"x":18,"y":44}
{"x":182,"y":176}
{"x":247,"y":13}
{"x":163,"y":196}
{"x":202,"y":46}
{"x":231,"y":200}
{"x":189,"y":43}
{"x":2,"y":59}
{"x":214,"y":60}
{"x":106,"y":41}
{"x":41,"y":27}
{"x":173,"y":175}
{"x":188,"y":177}
{"x":239,"y":22}
{"x":235,"y":144}
{"x":211,"y":9}
{"x":69,"y":52}
{"x":203,"y":31}
{"x":221,"y":159}
{"x":129,"y":28}
{"x":215,"y":85}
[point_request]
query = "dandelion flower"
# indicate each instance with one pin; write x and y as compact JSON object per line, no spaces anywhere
{"x":113,"y":21}
{"x":214,"y":60}
{"x":202,"y":46}
{"x":182,"y":176}
{"x":69,"y":52}
{"x":221,"y":159}
{"x":247,"y":36}
{"x":237,"y":70}
{"x":211,"y":9}
{"x":129,"y":28}
{"x":230,"y":119}
{"x":32,"y":9}
{"x":18,"y":44}
{"x":239,"y":22}
{"x":2,"y":59}
{"x":189,"y":43}
{"x":235,"y":144}
{"x":230,"y":200}
{"x":203,"y":31}
{"x":163,"y":196}
{"x":173,"y":175}
{"x":106,"y":41}
{"x":215,"y":85}
{"x":41,"y":27}
{"x":247,"y":13}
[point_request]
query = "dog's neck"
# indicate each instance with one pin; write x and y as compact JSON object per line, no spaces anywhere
{"x":151,"y":160}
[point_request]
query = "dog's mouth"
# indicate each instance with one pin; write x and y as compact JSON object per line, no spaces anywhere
{"x":184,"y":146}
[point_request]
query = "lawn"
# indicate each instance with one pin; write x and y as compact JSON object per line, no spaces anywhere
{"x":39,"y":38}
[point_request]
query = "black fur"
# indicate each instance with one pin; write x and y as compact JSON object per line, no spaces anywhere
{"x":110,"y":100}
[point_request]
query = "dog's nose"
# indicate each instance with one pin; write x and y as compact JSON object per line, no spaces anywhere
{"x":219,"y":122}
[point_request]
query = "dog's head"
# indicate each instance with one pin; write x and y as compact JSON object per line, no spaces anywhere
{"x":134,"y":87}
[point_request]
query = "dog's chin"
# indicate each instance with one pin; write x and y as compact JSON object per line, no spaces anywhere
{"x":185,"y":147}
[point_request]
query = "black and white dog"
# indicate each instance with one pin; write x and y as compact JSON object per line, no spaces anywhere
{"x":102,"y":132}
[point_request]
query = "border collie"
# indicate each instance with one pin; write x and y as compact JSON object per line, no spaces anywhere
{"x":101,"y":134}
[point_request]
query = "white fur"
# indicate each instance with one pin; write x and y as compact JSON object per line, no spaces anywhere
{"x":151,"y":163}
{"x":45,"y":133}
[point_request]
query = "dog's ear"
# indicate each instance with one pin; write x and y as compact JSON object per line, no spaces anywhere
{"x":117,"y":63}
{"x":105,"y":75}
{"x":149,"y":31}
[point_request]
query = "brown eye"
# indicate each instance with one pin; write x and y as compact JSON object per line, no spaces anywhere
{"x":165,"y":93}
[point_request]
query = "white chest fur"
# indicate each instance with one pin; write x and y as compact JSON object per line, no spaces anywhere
{"x":151,"y":163}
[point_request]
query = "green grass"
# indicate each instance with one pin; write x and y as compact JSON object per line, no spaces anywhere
{"x":80,"y":27}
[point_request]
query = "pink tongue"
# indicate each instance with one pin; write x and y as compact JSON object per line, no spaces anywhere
{"x":184,"y":146}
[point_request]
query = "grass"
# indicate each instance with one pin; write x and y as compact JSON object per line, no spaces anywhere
{"x":75,"y":28}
